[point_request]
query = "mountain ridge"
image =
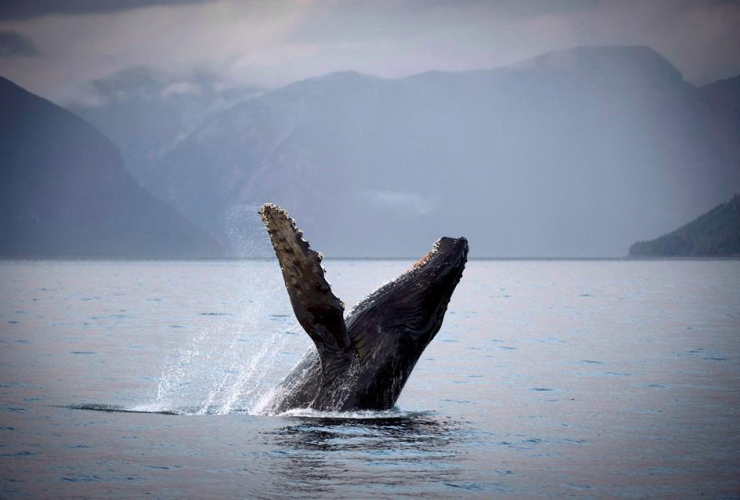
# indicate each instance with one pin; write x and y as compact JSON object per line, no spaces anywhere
{"x":577,"y":152}
{"x":713,"y":234}
{"x":404,"y":155}
{"x":64,"y":191}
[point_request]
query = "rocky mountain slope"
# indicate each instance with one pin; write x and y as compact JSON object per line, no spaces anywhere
{"x":146,"y":114}
{"x":64,"y":191}
{"x":714,"y":234}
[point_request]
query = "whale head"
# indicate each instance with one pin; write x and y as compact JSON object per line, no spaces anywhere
{"x":394,"y":324}
{"x":437,"y":275}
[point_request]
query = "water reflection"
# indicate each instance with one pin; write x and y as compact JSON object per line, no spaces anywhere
{"x":417,"y":452}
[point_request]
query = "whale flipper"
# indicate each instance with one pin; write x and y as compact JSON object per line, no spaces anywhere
{"x":318,"y":310}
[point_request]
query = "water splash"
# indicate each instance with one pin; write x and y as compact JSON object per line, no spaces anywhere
{"x":246,"y":232}
{"x":232,"y":364}
{"x":229,"y":368}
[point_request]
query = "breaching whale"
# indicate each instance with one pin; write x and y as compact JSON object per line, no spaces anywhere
{"x":361,"y":361}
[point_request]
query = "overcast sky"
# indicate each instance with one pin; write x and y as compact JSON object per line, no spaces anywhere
{"x":55,"y":47}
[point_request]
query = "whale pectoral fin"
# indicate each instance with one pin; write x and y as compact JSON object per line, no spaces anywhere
{"x":318,"y":310}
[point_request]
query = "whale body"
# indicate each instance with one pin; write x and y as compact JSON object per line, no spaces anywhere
{"x":361,"y":361}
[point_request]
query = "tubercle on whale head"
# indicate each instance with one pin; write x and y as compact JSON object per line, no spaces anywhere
{"x":438,"y":274}
{"x":454,"y":248}
{"x":447,"y":255}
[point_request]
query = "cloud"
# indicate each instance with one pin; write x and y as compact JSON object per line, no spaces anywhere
{"x":26,"y":9}
{"x":386,"y":37}
{"x":239,"y":41}
{"x":181,"y":88}
{"x":402,"y":203}
{"x":16,"y":44}
{"x":271,"y":44}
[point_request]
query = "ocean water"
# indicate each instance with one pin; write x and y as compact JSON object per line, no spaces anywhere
{"x":588,"y":379}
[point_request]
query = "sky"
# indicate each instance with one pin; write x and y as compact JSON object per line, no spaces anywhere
{"x":56,"y":48}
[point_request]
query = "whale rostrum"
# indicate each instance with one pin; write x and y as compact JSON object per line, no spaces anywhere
{"x":362,"y":360}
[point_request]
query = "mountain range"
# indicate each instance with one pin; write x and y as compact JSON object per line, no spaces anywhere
{"x":64,"y":191}
{"x":573,"y":153}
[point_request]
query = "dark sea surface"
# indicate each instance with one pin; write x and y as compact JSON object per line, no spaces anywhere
{"x":588,"y":379}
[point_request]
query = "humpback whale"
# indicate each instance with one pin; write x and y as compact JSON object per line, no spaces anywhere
{"x":361,"y":361}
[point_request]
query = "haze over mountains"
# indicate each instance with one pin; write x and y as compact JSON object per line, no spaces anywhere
{"x":64,"y":191}
{"x":146,"y":113}
{"x":574,"y":153}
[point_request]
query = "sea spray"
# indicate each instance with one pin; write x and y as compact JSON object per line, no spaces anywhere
{"x":232,"y":365}
{"x":246,"y":232}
